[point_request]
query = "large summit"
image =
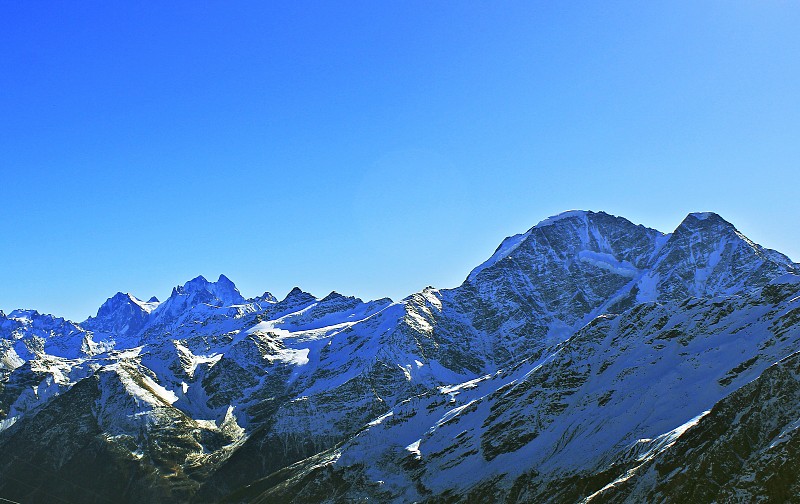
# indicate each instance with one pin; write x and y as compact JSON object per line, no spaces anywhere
{"x":589,"y":359}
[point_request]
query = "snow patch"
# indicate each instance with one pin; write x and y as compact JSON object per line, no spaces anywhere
{"x":147,"y":306}
{"x":295,"y":356}
{"x":608,"y":262}
{"x":414,"y":449}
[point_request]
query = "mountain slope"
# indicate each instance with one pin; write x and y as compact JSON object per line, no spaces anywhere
{"x":621,"y":384}
{"x":566,"y":366}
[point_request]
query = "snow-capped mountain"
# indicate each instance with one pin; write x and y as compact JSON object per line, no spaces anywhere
{"x":588,"y":359}
{"x":121,"y":315}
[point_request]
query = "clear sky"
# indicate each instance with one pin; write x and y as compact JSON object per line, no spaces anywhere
{"x":373,"y":148}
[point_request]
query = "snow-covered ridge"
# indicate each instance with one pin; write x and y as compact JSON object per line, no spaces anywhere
{"x":147,"y":306}
{"x":506,"y":247}
{"x":538,"y":362}
{"x":569,"y":214}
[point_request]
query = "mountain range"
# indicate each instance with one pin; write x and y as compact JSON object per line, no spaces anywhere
{"x":589,"y":359}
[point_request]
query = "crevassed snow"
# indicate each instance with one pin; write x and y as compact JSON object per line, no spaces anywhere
{"x":608,"y":262}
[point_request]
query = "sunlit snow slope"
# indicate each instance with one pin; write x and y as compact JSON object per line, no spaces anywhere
{"x":589,"y":359}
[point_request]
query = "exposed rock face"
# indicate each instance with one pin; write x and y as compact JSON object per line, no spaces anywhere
{"x":122,"y":315}
{"x":588,"y":358}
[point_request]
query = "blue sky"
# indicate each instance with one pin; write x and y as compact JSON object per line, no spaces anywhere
{"x":373,"y":148}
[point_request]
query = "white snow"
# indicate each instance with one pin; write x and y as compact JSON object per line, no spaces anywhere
{"x":657,"y":446}
{"x":647,"y":285}
{"x":154,"y":394}
{"x":654,"y":382}
{"x":788,"y":278}
{"x":196,"y":360}
{"x":298,"y":357}
{"x":559,"y":217}
{"x":506,"y":247}
{"x":608,"y":262}
{"x":144,"y":305}
{"x":414,"y":448}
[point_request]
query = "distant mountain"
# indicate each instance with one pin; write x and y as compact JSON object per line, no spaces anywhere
{"x":588,"y":359}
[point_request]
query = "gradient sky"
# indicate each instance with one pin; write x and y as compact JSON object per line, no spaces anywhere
{"x":370,"y":147}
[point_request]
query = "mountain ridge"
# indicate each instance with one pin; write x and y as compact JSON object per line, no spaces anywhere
{"x":207,"y":393}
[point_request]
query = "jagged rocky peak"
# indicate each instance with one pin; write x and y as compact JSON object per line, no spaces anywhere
{"x":575,"y":231}
{"x":706,"y":256}
{"x":562,"y":238}
{"x":32,"y":318}
{"x":122,"y":300}
{"x":223,"y":292}
{"x":23,"y":314}
{"x":122,"y":314}
{"x":709,"y":222}
{"x":578,"y":264}
{"x":226,"y":285}
{"x":267,"y":297}
{"x":332,"y":296}
{"x":298,"y":296}
{"x":548,"y":367}
{"x":711,"y":229}
{"x":564,"y":268}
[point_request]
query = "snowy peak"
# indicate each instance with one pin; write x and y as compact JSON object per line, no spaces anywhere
{"x":298,"y":296}
{"x":707,"y":256}
{"x":705,"y":221}
{"x":704,"y":215}
{"x":196,"y":294}
{"x":267,"y":297}
{"x":574,"y":231}
{"x":29,"y":334}
{"x":198,"y":290}
{"x":563,"y":237}
{"x":121,"y":300}
{"x":332,"y":297}
{"x":569,"y":214}
{"x":23,"y":315}
{"x":121,"y":315}
{"x":506,"y":247}
{"x":225,"y":290}
{"x":33,"y":318}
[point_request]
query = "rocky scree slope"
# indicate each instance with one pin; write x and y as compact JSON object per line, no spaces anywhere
{"x":569,"y":366}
